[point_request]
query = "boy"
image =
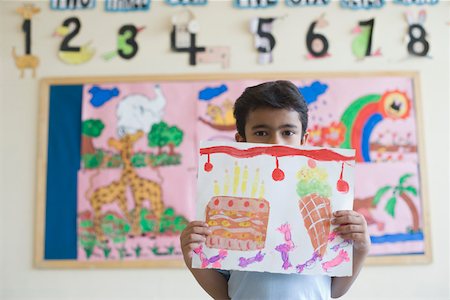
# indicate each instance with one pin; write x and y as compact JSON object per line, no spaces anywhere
{"x":275,"y":113}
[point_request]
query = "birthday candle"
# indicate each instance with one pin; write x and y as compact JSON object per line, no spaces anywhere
{"x":255,"y":183}
{"x":237,"y":174}
{"x":261,"y":191}
{"x":216,"y":188}
{"x":226,"y":185}
{"x":244,"y":180}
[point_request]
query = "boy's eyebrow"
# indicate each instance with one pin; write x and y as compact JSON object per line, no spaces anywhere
{"x":260,"y":126}
{"x":288,"y":126}
{"x":263,"y":126}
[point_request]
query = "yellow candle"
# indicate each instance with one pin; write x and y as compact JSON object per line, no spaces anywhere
{"x":255,"y":183}
{"x":261,"y":191}
{"x":226,"y":185}
{"x":216,"y":188}
{"x":244,"y":180}
{"x":237,"y":174}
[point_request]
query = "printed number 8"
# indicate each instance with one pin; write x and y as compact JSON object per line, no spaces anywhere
{"x":417,"y":39}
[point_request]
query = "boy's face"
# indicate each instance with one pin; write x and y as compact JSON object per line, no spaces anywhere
{"x":273,"y":126}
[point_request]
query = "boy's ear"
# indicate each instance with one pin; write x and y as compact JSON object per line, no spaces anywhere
{"x":239,"y":138}
{"x":304,"y":139}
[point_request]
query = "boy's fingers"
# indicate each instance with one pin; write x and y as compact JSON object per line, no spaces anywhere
{"x":197,"y":224}
{"x":347,"y":219}
{"x":192,"y":238}
{"x":354,"y":236}
{"x":344,"y":229}
{"x":345,"y":213}
{"x":201,"y":230}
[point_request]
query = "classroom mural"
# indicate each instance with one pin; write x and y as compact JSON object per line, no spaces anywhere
{"x":138,"y":154}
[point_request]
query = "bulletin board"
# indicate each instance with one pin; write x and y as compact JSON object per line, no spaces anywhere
{"x":117,"y":160}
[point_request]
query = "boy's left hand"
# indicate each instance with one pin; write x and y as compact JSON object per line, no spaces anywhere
{"x":352,"y":226}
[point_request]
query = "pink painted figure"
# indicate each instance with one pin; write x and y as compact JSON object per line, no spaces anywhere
{"x":286,"y":229}
{"x":285,"y":248}
{"x":339,"y":259}
{"x":342,"y":244}
{"x":309,"y":262}
{"x":332,"y":236}
{"x":214,"y":260}
{"x":244,"y":262}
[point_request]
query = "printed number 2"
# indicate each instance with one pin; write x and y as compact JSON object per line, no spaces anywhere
{"x":65,"y":43}
{"x":415,"y":39}
{"x":265,"y":35}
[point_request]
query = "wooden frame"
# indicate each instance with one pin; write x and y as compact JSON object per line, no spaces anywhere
{"x":43,"y":128}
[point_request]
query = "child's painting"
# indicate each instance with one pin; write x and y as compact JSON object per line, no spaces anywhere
{"x":135,"y":145}
{"x":119,"y":156}
{"x":270,"y":208}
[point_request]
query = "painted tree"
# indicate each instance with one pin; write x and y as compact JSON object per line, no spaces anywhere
{"x":90,"y":129}
{"x":157,"y":136}
{"x":162,"y":135}
{"x":175,"y":137}
{"x":403,"y":192}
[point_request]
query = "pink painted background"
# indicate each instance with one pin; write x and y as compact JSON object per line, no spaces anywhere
{"x":183,"y":109}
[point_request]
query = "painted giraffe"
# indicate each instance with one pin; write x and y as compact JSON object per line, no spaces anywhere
{"x":142,"y":189}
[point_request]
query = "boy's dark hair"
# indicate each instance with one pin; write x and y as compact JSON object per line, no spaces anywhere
{"x":280,"y":94}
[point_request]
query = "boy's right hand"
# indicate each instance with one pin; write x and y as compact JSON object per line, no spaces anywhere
{"x":192,"y":236}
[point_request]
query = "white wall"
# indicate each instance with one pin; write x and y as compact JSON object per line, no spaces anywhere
{"x":221,"y":25}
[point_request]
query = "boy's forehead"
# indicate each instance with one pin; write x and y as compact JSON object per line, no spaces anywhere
{"x":273,"y":117}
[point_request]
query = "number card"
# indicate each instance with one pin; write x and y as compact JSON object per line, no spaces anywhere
{"x":72,"y":4}
{"x":362,"y":4}
{"x":255,"y":3}
{"x":186,"y":2}
{"x":127,"y":47}
{"x":316,"y":43}
{"x":417,"y":43}
{"x":299,"y":3}
{"x":264,"y":39}
{"x":416,"y":2}
{"x":73,"y":55}
{"x":26,"y":61}
{"x":127,"y":5}
{"x":362,"y":42}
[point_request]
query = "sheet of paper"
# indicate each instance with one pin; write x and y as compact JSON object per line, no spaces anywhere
{"x":269,"y":208}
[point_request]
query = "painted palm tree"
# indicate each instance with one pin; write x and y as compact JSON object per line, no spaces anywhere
{"x":403,"y":192}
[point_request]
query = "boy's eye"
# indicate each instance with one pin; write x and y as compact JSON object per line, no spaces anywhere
{"x":288,"y":132}
{"x":260,"y":133}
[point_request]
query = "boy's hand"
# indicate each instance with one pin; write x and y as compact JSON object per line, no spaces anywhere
{"x":192,"y":236}
{"x":352,"y":226}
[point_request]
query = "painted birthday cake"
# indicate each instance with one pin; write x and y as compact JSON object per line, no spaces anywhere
{"x":237,"y":223}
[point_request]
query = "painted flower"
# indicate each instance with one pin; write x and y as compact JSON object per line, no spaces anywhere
{"x":315,"y":136}
{"x":334,"y":134}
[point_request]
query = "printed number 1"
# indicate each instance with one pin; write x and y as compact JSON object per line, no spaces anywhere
{"x":26,"y":28}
